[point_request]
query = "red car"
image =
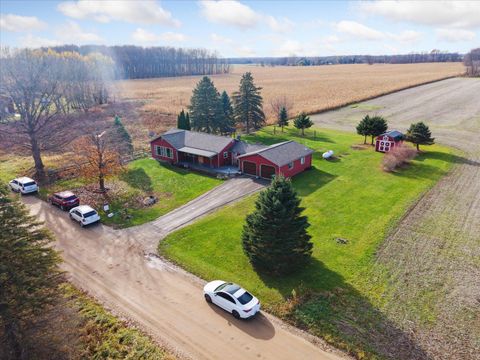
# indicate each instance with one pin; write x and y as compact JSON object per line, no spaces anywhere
{"x":65,"y":200}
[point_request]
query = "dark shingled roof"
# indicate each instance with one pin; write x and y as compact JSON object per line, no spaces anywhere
{"x":395,"y":134}
{"x":184,"y":138}
{"x":242,"y":147}
{"x":282,"y":153}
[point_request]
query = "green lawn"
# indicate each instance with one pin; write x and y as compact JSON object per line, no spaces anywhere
{"x":351,"y":197}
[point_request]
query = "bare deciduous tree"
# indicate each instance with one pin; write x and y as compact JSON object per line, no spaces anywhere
{"x":279,"y":102}
{"x":472,"y":62}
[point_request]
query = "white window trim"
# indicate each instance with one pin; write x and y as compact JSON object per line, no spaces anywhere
{"x":291,"y":165}
{"x":163,"y":151}
{"x":225,"y":154}
{"x":302,"y":160}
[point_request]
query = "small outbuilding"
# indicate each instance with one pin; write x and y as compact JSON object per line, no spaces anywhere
{"x":287,"y":158}
{"x":387,"y":141}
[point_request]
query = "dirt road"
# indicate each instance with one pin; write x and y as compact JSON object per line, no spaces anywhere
{"x":433,"y":256}
{"x":168,"y":303}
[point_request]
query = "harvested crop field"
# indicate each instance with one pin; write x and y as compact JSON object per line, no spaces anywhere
{"x":311,"y":89}
{"x":431,"y":261}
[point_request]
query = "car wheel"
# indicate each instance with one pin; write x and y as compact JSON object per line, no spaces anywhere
{"x":208,"y":299}
{"x":81,"y":224}
{"x":62,"y":207}
{"x":235,"y":314}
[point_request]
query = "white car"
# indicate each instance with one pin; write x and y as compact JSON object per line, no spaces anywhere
{"x":232,"y":298}
{"x":24,"y":185}
{"x":84,"y":215}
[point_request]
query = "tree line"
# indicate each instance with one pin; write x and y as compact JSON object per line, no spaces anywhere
{"x":135,"y":62}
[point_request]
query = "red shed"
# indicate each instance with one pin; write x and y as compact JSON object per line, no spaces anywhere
{"x":387,"y":141}
{"x":288,"y":158}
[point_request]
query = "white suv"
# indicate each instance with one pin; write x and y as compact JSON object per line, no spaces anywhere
{"x":23,"y":185}
{"x":84,"y":215}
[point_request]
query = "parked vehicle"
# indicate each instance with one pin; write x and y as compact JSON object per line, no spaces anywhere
{"x":84,"y":215}
{"x":232,"y":298}
{"x":24,"y":185}
{"x":66,"y":200}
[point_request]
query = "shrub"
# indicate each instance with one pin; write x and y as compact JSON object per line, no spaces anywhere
{"x":398,"y":156}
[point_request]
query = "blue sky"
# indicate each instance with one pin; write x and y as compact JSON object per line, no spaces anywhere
{"x":247,"y":28}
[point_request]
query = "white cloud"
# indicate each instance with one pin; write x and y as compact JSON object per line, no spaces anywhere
{"x":407,"y":36}
{"x":31,"y":41}
{"x":358,"y":31}
{"x":72,"y":32}
{"x":245,"y":51}
{"x":458,"y":14}
{"x":290,"y":48}
{"x":281,"y":25}
{"x":17,"y":23}
{"x":145,"y":37}
{"x":140,"y":11}
{"x":219,"y":39}
{"x":455,"y":35}
{"x":232,"y":13}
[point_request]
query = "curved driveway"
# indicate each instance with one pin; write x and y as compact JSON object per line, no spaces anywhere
{"x":112,"y":266}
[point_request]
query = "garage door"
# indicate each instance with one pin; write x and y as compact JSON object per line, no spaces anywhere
{"x":267,"y":171}
{"x":249,"y":168}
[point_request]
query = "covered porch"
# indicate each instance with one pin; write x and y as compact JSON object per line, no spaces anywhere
{"x":226,"y":171}
{"x":192,"y":156}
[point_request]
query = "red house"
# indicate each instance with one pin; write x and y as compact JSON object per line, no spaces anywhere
{"x":206,"y":151}
{"x":387,"y":141}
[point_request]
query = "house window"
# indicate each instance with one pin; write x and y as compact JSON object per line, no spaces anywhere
{"x":164,"y":152}
{"x":290,"y":166}
{"x":302,"y":160}
{"x":225,"y":155}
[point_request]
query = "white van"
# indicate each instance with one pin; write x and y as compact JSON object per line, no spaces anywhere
{"x":24,"y":185}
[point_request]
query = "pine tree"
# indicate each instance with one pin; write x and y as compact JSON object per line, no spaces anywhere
{"x":378,"y":126}
{"x":205,"y":107}
{"x":283,"y":118}
{"x":364,"y":127}
{"x":182,"y":121}
{"x":275,"y":237}
{"x":248,"y":104}
{"x":187,"y":122}
{"x":419,"y":134}
{"x":29,"y":274}
{"x":227,"y":122}
{"x":123,"y":134}
{"x":303,"y":122}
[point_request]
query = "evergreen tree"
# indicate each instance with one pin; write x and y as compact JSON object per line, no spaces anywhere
{"x":303,"y":122}
{"x":205,"y":107}
{"x":283,"y":118}
{"x":187,"y":122}
{"x":227,"y":121}
{"x":364,"y":127}
{"x":123,"y":134}
{"x":419,"y":134}
{"x":248,"y":104}
{"x":275,"y":237}
{"x":182,"y":121}
{"x":378,"y":126}
{"x":29,"y":274}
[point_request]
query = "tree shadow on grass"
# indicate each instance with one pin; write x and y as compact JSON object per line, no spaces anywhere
{"x":341,"y":315}
{"x":137,"y":179}
{"x":269,"y":138}
{"x":311,"y":180}
{"x":447,"y":157}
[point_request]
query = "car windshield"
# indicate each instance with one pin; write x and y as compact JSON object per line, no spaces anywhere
{"x":70,"y":198}
{"x":29,"y":183}
{"x":90,"y":213}
{"x":245,"y":298}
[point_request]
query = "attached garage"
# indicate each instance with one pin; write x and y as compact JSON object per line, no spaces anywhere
{"x":267,"y":171}
{"x":249,"y":168}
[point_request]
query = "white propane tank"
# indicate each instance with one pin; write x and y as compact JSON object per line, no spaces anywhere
{"x":328,"y":154}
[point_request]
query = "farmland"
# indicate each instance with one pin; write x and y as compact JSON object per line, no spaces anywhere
{"x":311,"y":89}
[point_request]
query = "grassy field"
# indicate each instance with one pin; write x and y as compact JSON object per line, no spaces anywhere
{"x":311,"y":89}
{"x":350,"y":198}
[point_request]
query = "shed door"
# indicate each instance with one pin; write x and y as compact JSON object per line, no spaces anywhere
{"x":249,"y":168}
{"x":267,"y":171}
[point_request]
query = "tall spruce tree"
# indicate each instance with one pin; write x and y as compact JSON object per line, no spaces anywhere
{"x":248,"y":102}
{"x":187,"y":122}
{"x":205,"y":107}
{"x":275,"y":237}
{"x":227,"y":121}
{"x":182,"y":120}
{"x":283,"y":118}
{"x":378,"y":126}
{"x":124,"y":135}
{"x":364,"y":127}
{"x":419,"y":134}
{"x":29,"y":274}
{"x":302,"y":122}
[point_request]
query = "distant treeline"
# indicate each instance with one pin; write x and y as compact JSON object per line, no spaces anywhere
{"x":135,"y":62}
{"x":433,"y":56}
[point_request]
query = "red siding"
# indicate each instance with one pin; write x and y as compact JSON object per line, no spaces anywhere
{"x":228,"y":160}
{"x":257,"y":160}
{"x":297,"y":167}
{"x":390,"y":139}
{"x":161,"y":142}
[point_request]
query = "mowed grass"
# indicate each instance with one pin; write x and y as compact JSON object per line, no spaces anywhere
{"x":349,"y":198}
